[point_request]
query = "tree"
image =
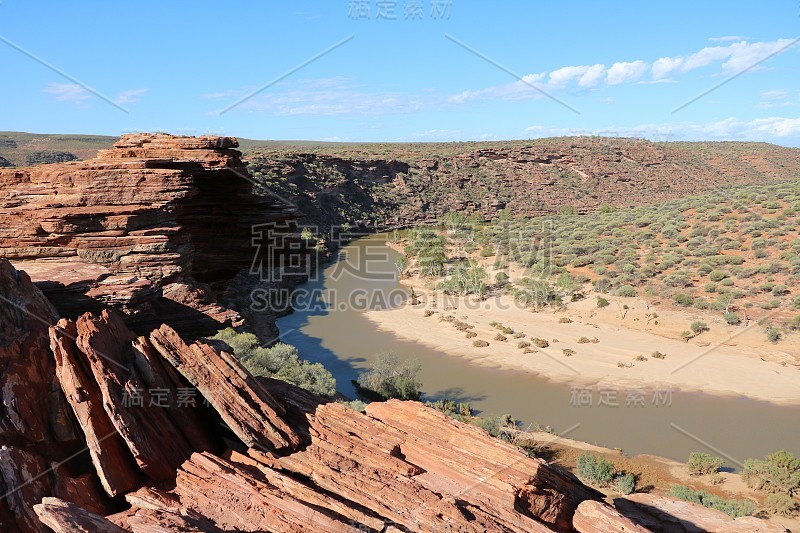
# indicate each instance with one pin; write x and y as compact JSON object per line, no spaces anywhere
{"x":401,"y":263}
{"x":703,"y":463}
{"x":567,"y":284}
{"x":454,"y":221}
{"x":389,"y":377}
{"x":306,"y":234}
{"x":778,"y":473}
{"x":281,"y":361}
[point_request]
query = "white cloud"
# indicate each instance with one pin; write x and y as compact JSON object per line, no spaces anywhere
{"x":730,"y":59}
{"x":780,"y":130}
{"x":625,"y":71}
{"x":664,"y":65}
{"x":744,"y":56}
{"x":437,"y":135}
{"x":777,"y":94}
{"x":517,"y":90}
{"x":131,"y":96}
{"x":775,"y":98}
{"x":562,"y":76}
{"x":592,"y":76}
{"x":706,"y":56}
{"x":80,"y":95}
{"x":69,"y":92}
{"x":327,"y":97}
{"x":734,"y":57}
{"x":726,"y":38}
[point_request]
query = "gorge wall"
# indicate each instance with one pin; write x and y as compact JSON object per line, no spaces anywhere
{"x":413,"y":183}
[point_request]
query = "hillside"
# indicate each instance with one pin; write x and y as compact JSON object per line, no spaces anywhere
{"x":400,"y":185}
{"x":22,"y":149}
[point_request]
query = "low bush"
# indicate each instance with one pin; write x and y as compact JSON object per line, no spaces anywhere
{"x":626,"y":291}
{"x":281,"y":361}
{"x":595,"y":470}
{"x":778,"y":473}
{"x":773,"y":334}
{"x":602,"y":302}
{"x":703,"y":463}
{"x":540,"y":343}
{"x":480,"y":344}
{"x":698,"y":327}
{"x":780,"y":504}
{"x":601,"y":472}
{"x":625,"y":483}
{"x":733,"y":508}
{"x":389,"y":377}
{"x":732,"y":318}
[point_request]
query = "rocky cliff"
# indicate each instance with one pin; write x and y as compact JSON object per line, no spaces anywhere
{"x":155,"y":227}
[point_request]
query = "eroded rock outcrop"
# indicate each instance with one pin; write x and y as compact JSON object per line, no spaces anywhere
{"x":151,"y":227}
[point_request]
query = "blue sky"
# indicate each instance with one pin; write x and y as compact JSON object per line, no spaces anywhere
{"x":404,"y":70}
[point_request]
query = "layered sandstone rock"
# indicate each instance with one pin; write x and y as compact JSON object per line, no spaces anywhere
{"x":137,"y":227}
{"x":661,"y":513}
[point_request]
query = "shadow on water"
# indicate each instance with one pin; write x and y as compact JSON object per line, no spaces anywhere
{"x":336,"y":334}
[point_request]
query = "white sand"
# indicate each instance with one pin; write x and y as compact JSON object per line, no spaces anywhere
{"x":726,"y":360}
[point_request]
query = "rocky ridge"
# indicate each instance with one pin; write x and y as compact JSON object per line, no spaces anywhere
{"x":408,"y":184}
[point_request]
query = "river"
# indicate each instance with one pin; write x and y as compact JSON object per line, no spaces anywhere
{"x":337,"y":335}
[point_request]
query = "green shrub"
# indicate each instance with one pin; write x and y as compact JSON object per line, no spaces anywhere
{"x":780,"y":504}
{"x":465,"y":280}
{"x":778,"y":473}
{"x":703,"y":463}
{"x":626,"y":291}
{"x":501,"y":278}
{"x":717,"y":275}
{"x":281,"y":361}
{"x":698,"y":327}
{"x":732,"y":318}
{"x":452,"y":408}
{"x":389,"y":377}
{"x":625,"y":483}
{"x":733,"y":508}
{"x":595,"y":470}
{"x":602,"y":302}
{"x":355,"y":405}
{"x":773,"y":334}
